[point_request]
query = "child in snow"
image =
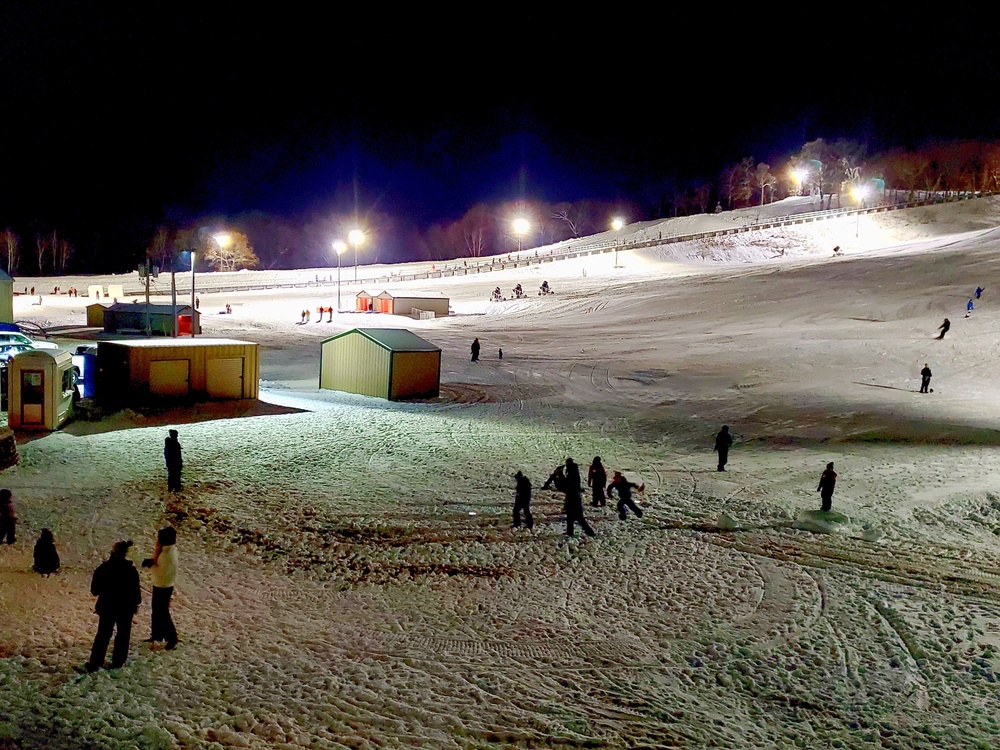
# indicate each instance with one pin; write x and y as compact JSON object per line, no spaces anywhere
{"x":46,"y":557}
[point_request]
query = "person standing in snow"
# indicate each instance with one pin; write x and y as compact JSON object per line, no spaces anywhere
{"x":172,"y":458}
{"x":163,"y":567}
{"x":979,"y":292}
{"x":8,"y":518}
{"x":475,"y":350}
{"x":969,"y":307}
{"x":522,"y":501}
{"x":597,"y":480}
{"x":624,"y":489}
{"x":46,"y":558}
{"x":944,"y":327}
{"x":925,"y":378}
{"x":116,"y":586}
{"x":574,"y":500}
{"x":827,"y":481}
{"x":722,"y":443}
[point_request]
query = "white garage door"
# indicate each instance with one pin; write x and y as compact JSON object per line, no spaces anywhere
{"x":170,"y":377}
{"x":224,"y":378}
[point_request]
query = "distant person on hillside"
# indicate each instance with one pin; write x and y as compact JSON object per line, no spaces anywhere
{"x":116,"y":586}
{"x":522,"y":501}
{"x":174,"y":461}
{"x":722,"y":443}
{"x":8,"y":518}
{"x":475,"y":350}
{"x":624,"y":489}
{"x":944,"y":328}
{"x":597,"y":480}
{"x":827,"y":481}
{"x":925,"y":379}
{"x":968,"y":308}
{"x":46,"y":558}
{"x":979,"y":292}
{"x":573,"y":505}
{"x":836,"y":251}
{"x":499,"y":353}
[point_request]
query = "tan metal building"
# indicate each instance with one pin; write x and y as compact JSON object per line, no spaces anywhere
{"x":389,"y":363}
{"x":95,"y":315}
{"x":140,"y":371}
{"x":412,"y":304}
{"x":41,"y":386}
{"x":364,"y":301}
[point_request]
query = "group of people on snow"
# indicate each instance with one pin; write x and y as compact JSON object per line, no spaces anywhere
{"x":518,"y":292}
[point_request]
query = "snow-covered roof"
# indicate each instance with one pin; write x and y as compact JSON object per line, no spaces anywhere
{"x":162,"y":342}
{"x":393,"y":339}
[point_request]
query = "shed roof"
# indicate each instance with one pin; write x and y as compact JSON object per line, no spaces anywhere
{"x":4,"y":276}
{"x":412,"y":295}
{"x":393,"y":339}
{"x":184,"y":341}
{"x":141,"y":307}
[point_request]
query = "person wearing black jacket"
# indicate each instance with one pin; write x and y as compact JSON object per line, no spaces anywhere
{"x":574,"y":500}
{"x":46,"y":558}
{"x":624,"y":489}
{"x":925,"y":379}
{"x":944,"y":328}
{"x":522,"y":501}
{"x":475,"y":350}
{"x":116,"y":586}
{"x":172,"y":458}
{"x":597,"y":479}
{"x":722,"y":443}
{"x":827,"y":481}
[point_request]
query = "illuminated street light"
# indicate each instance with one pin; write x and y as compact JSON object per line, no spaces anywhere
{"x":223,"y":240}
{"x":859,"y":194}
{"x":521,"y":226}
{"x":617,"y":223}
{"x":356,"y":237}
{"x":339,"y":247}
{"x":799,"y":176}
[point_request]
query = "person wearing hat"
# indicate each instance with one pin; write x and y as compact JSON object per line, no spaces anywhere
{"x":573,"y":505}
{"x":624,"y":489}
{"x":174,"y":461}
{"x":116,"y":586}
{"x":163,"y":566}
{"x":597,"y":480}
{"x":522,"y":502}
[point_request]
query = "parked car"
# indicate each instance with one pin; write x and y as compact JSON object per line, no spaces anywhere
{"x":10,"y":337}
{"x":7,"y":351}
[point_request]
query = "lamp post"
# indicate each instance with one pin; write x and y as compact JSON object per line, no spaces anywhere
{"x":356,"y":237}
{"x":339,"y":247}
{"x":858,"y":194}
{"x":520,"y":226}
{"x":617,"y":223}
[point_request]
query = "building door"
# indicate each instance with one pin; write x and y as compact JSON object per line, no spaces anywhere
{"x":224,"y":377}
{"x":170,"y":377}
{"x":32,"y":397}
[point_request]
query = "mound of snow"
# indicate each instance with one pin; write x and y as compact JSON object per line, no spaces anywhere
{"x":822,"y":522}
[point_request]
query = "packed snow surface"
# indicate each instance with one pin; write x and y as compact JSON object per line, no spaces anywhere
{"x":349,"y":577}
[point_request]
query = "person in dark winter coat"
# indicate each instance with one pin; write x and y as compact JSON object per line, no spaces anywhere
{"x":624,"y":489}
{"x":827,"y":482}
{"x":925,"y":378}
{"x":722,"y":442}
{"x":522,"y":501}
{"x":172,"y":458}
{"x":979,"y":292}
{"x":475,"y":350}
{"x":46,"y":557}
{"x":556,"y":480}
{"x":163,"y":566}
{"x":944,"y":328}
{"x":8,"y":518}
{"x":116,"y":586}
{"x":597,"y":480}
{"x":574,"y":500}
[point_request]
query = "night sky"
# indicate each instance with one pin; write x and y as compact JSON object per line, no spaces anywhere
{"x":115,"y":121}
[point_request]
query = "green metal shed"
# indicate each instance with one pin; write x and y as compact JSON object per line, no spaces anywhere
{"x":389,"y":363}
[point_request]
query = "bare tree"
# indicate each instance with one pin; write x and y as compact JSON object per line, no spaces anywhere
{"x":61,"y":252}
{"x":764,"y":180}
{"x":10,"y":244}
{"x":232,"y":255}
{"x":158,"y":249}
{"x":736,"y":182}
{"x":41,"y":251}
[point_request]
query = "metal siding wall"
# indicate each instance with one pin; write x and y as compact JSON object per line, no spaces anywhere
{"x":355,"y":364}
{"x":416,"y":374}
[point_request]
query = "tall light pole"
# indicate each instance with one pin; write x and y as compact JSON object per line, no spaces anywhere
{"x":858,"y":194}
{"x":520,"y":226}
{"x":356,"y":237}
{"x":617,"y":223}
{"x":339,"y":247}
{"x":223,"y":240}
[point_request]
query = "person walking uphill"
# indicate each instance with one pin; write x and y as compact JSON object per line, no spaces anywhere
{"x":574,"y":500}
{"x":925,"y":378}
{"x":522,"y":502}
{"x":174,"y":461}
{"x":827,"y":481}
{"x":475,"y":350}
{"x":163,"y":567}
{"x":116,"y":586}
{"x":597,"y":479}
{"x":722,"y":443}
{"x":624,"y":489}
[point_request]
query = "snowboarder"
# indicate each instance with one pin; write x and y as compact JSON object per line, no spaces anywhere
{"x":944,"y":328}
{"x":836,"y":251}
{"x":574,"y":500}
{"x":979,"y":292}
{"x":597,"y":480}
{"x":925,"y":378}
{"x":556,"y":480}
{"x":174,"y":462}
{"x":827,"y":481}
{"x":722,"y":443}
{"x":8,"y":518}
{"x":475,"y":350}
{"x":522,"y":501}
{"x":969,"y":307}
{"x":46,"y":558}
{"x":163,"y":567}
{"x":624,"y":489}
{"x":116,"y":586}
